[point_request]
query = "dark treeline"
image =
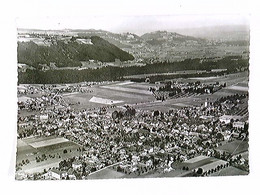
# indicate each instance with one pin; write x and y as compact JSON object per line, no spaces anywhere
{"x":109,"y":73}
{"x":230,"y":63}
{"x":70,"y":53}
{"x":156,"y":78}
{"x":69,"y":76}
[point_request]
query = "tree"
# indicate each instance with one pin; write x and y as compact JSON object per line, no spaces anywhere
{"x":220,"y":136}
{"x":156,"y":113}
{"x":199,"y":171}
{"x":115,"y":114}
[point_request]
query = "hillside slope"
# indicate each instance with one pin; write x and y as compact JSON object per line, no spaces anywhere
{"x":65,"y":53}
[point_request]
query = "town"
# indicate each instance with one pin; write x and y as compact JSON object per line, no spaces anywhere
{"x":95,"y":130}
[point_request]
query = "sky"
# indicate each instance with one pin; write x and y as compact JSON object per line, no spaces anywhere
{"x":134,"y":24}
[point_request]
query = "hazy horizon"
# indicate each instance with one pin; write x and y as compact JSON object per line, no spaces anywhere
{"x":133,"y":24}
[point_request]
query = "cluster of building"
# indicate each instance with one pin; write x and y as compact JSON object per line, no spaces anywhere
{"x":43,"y":89}
{"x":135,"y":144}
{"x":174,"y":89}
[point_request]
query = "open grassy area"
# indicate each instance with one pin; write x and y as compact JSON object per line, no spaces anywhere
{"x":230,"y":79}
{"x":137,"y":94}
{"x":48,"y":142}
{"x":30,"y":148}
{"x":229,"y":171}
{"x":120,"y":93}
{"x":106,"y":173}
{"x":234,"y":147}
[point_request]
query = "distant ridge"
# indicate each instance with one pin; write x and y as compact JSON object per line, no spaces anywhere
{"x":165,"y":35}
{"x":224,"y":32}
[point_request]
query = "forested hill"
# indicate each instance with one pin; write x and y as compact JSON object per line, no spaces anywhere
{"x":65,"y":53}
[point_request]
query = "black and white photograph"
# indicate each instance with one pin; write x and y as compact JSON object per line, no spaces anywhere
{"x":149,"y":96}
{"x":128,"y":94}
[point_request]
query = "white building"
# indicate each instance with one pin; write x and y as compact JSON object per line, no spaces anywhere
{"x":227,"y":118}
{"x":44,"y":118}
{"x":54,"y":174}
{"x":239,"y":124}
{"x":76,"y":165}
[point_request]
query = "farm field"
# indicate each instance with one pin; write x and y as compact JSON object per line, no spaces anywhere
{"x":106,"y":173}
{"x":52,"y":147}
{"x":228,"y":171}
{"x":230,"y":79}
{"x":235,"y":147}
{"x":137,"y":94}
{"x":119,"y":93}
{"x":155,"y":74}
